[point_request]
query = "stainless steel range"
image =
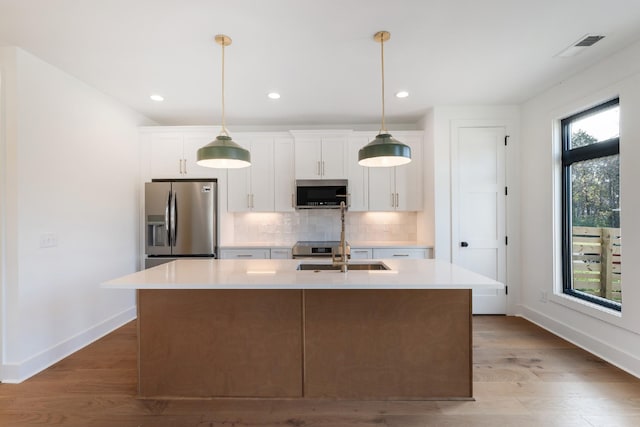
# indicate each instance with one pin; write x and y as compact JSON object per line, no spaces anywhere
{"x":318,"y":249}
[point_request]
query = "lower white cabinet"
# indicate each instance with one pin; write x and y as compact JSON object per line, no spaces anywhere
{"x":245,"y":253}
{"x":387,"y":253}
{"x":361,"y":253}
{"x":281,"y":253}
{"x":255,"y":253}
{"x":407,"y":253}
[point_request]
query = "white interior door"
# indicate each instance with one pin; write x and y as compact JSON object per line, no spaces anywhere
{"x":478,"y":210}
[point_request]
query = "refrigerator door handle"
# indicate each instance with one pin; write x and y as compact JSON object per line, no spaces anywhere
{"x":174,"y":219}
{"x":167,"y":219}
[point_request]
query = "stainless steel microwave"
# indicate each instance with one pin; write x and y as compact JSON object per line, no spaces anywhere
{"x":320,"y":193}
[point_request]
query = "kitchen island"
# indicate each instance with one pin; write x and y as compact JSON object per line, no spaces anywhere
{"x":263,"y":329}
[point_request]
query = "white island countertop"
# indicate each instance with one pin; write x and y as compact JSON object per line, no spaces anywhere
{"x":282,"y":274}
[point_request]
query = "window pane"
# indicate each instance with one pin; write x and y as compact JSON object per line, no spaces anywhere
{"x":595,"y":214}
{"x":595,"y":192}
{"x":600,"y":126}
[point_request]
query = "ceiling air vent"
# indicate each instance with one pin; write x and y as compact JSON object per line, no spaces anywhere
{"x":589,"y":41}
{"x":580,"y":45}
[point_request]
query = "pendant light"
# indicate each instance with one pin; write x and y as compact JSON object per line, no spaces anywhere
{"x":384,"y":150}
{"x":223,"y":152}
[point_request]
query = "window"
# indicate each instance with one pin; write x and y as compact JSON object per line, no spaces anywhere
{"x":591,"y":205}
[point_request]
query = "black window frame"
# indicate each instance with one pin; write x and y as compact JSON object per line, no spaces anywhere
{"x":570,"y":156}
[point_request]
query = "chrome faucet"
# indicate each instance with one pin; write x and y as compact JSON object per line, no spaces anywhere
{"x":344,"y":256}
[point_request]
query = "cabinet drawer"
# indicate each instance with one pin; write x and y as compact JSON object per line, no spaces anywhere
{"x":361,"y":253}
{"x":280,"y":253}
{"x":411,"y":253}
{"x":245,"y":254}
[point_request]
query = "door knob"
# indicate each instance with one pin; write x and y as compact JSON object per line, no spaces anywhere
{"x":464,"y":244}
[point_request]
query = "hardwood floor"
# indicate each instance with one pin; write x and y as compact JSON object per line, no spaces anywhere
{"x":523,"y":376}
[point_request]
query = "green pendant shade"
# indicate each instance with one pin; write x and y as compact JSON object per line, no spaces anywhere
{"x":384,"y":151}
{"x":223,"y":153}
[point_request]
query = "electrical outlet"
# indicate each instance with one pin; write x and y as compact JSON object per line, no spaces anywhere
{"x":48,"y":240}
{"x":543,"y":296}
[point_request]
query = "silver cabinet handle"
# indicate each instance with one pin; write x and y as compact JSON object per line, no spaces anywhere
{"x":360,"y":251}
{"x":397,"y":200}
{"x":244,"y":256}
{"x":252,"y":205}
{"x":248,"y":200}
{"x":180,"y":166}
{"x":293,"y":205}
{"x":318,"y":168}
{"x":393,"y":200}
{"x":399,"y":255}
{"x":185,"y":165}
{"x":323,"y":168}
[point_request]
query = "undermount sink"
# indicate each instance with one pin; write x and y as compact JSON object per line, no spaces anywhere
{"x":329,"y":267}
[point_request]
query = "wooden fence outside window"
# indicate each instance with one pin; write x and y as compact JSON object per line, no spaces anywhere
{"x":597,"y":262}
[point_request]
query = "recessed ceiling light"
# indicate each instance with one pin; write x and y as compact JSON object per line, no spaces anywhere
{"x":273,"y":95}
{"x":402,"y":94}
{"x":157,"y":98}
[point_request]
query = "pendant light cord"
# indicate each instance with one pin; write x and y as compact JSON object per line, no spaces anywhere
{"x":223,"y":131}
{"x":383,"y":129}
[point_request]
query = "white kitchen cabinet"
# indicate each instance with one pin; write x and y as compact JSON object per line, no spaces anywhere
{"x":320,"y":155}
{"x":407,"y":253}
{"x":251,"y":189}
{"x":281,"y":253}
{"x":174,"y":154}
{"x":284,"y":175}
{"x":398,"y":188}
{"x":358,"y":176}
{"x":361,"y":253}
{"x":245,"y":253}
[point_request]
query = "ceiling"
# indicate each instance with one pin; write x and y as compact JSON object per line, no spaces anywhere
{"x":319,"y":55}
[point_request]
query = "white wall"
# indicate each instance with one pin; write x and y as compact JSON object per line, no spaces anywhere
{"x":72,"y":170}
{"x":613,"y":336}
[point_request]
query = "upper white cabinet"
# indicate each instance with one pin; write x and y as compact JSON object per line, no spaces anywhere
{"x":251,"y":189}
{"x":172,"y":154}
{"x":358,"y":176}
{"x":279,"y":158}
{"x":321,"y":154}
{"x":284,"y":175}
{"x":399,"y":188}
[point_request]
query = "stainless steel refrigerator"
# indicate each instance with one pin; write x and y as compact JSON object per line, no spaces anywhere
{"x":180,"y":220}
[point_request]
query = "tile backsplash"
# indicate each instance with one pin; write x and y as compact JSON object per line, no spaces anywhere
{"x":289,"y":227}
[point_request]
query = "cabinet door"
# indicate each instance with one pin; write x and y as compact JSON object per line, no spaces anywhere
{"x":361,"y":253}
{"x":333,"y":163}
{"x":382,"y":189}
{"x":308,"y":156}
{"x":284,"y":175}
{"x":280,"y":253}
{"x":408,"y":253}
{"x":166,"y":155}
{"x":248,"y":253}
{"x":409,"y":180}
{"x":239,"y":190}
{"x":358,"y":176}
{"x":261,"y":170}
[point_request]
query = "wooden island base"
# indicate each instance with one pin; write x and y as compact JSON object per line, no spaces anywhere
{"x":400,"y":344}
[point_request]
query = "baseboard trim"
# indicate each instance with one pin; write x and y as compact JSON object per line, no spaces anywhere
{"x":19,"y":372}
{"x":616,"y":356}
